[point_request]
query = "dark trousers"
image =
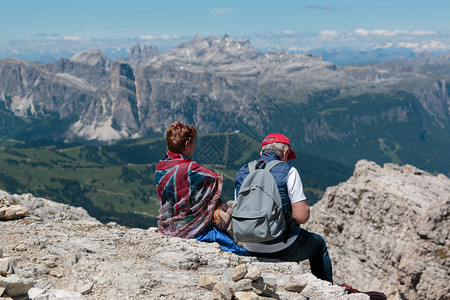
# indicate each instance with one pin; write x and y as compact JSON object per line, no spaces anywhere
{"x":310,"y":246}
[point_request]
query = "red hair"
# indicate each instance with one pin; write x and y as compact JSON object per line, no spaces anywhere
{"x":178,"y":134}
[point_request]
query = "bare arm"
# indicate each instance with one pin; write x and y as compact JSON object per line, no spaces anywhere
{"x":300,"y":212}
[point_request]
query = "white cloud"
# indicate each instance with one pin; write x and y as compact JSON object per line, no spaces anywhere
{"x":289,"y":32}
{"x":362,"y":32}
{"x":383,"y":32}
{"x":423,"y":32}
{"x":391,"y":33}
{"x":159,"y":37}
{"x":221,"y":11}
{"x":72,"y":38}
{"x":329,"y":34}
{"x":56,"y":37}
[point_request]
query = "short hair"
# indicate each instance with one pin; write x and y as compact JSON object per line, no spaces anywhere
{"x":177,"y":135}
{"x":277,"y":148}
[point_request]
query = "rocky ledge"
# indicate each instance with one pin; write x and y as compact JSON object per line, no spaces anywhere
{"x":387,"y":229}
{"x":59,"y":252}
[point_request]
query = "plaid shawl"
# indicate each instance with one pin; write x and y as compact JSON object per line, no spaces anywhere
{"x":188,"y":194}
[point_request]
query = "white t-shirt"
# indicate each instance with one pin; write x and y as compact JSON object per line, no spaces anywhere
{"x":296,"y":194}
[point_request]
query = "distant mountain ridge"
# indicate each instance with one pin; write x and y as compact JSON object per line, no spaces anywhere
{"x":49,"y":51}
{"x":382,"y":111}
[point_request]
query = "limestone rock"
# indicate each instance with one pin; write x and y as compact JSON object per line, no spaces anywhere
{"x":253,"y":273}
{"x":7,"y":266}
{"x":387,"y":229}
{"x":65,"y":295}
{"x":11,"y":212}
{"x":294,"y":286}
{"x":4,"y":202}
{"x":15,"y":285}
{"x":222,"y":291}
{"x":207,"y":281}
{"x":259,"y":287}
{"x":239,"y":272}
{"x":243,"y":285}
{"x":83,"y":288}
{"x":47,"y":209}
{"x":247,"y":295}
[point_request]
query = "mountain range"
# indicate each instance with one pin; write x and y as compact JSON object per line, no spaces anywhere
{"x":49,"y":49}
{"x":395,"y":111}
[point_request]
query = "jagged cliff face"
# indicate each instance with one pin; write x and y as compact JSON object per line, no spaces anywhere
{"x":226,"y":85}
{"x":388,"y":229}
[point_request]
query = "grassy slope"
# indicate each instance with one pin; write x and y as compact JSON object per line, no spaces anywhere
{"x":382,"y":128}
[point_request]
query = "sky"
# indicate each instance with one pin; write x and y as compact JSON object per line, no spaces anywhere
{"x":289,"y":24}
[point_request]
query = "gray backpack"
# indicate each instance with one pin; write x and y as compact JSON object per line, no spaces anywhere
{"x":258,"y":210}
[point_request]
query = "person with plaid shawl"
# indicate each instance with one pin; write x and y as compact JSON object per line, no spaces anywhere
{"x":189,"y":193}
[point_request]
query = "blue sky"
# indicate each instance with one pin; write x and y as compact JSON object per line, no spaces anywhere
{"x":277,"y":24}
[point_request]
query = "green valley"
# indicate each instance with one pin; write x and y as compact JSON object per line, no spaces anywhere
{"x":117,"y":182}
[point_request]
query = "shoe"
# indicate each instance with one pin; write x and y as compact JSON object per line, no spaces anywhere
{"x":349,"y":289}
{"x":373,"y":295}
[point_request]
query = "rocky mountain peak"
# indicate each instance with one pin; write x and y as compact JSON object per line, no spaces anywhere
{"x":143,"y":54}
{"x":387,"y":228}
{"x":226,"y":38}
{"x":197,"y":38}
{"x":207,"y":51}
{"x":94,"y":58}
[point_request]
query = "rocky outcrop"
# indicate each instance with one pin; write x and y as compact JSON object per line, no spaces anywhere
{"x":94,"y":58}
{"x":12,"y":284}
{"x":11,"y":212}
{"x":139,"y":56}
{"x":113,"y":113}
{"x":388,"y":229}
{"x":59,"y":252}
{"x":47,"y":209}
{"x":437,"y":102}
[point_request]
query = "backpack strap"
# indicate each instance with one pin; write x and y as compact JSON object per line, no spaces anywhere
{"x":252,"y":166}
{"x":272,"y":164}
